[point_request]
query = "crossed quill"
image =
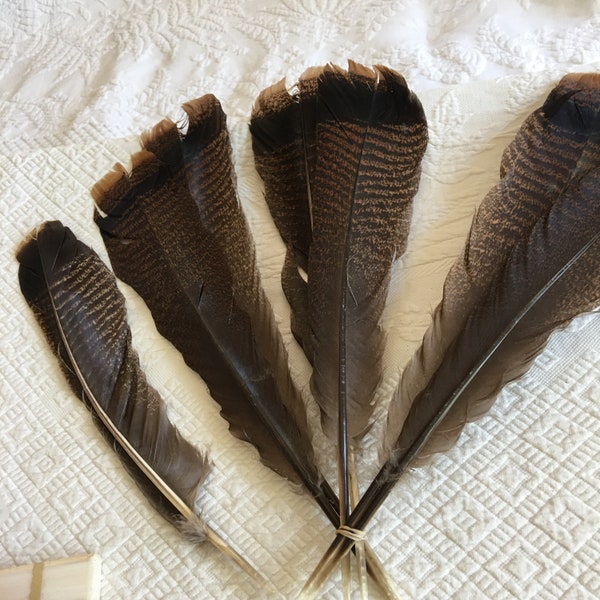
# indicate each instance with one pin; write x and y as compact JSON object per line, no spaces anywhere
{"x":340,"y":160}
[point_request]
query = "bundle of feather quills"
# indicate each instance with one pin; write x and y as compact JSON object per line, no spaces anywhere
{"x":340,"y":159}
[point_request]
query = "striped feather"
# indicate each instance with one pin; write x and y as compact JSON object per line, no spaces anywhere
{"x":175,"y":232}
{"x":544,"y":158}
{"x":340,"y":160}
{"x":371,"y":137}
{"x":76,"y":301}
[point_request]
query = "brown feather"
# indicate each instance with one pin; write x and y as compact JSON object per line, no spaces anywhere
{"x":283,"y":140}
{"x":175,"y":232}
{"x":536,"y":167}
{"x":340,"y":159}
{"x":82,"y":313}
{"x":371,"y":136}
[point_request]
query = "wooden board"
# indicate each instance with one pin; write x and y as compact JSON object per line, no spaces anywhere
{"x":74,"y":578}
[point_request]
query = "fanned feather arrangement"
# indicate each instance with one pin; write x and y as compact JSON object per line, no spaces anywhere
{"x":75,"y":299}
{"x":531,"y":264}
{"x":340,"y":159}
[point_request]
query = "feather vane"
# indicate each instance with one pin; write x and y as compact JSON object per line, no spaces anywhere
{"x":283,"y":132}
{"x":174,"y":231}
{"x":340,"y":160}
{"x":365,"y":177}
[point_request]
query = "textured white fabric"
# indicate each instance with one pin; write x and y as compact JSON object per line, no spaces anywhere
{"x":512,"y":512}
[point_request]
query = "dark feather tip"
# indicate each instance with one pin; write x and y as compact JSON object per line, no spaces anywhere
{"x":403,"y":105}
{"x":345,"y":96}
{"x":274,"y":122}
{"x":31,"y":274}
{"x":163,"y":140}
{"x":574,"y":103}
{"x":57,"y":246}
{"x":117,"y":190}
{"x":381,"y":96}
{"x":50,"y":248}
{"x":206,"y":119}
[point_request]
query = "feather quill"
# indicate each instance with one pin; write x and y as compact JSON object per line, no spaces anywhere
{"x":175,"y":232}
{"x":82,"y":313}
{"x":340,"y":160}
{"x":551,"y":275}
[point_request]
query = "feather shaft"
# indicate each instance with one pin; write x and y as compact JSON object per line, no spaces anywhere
{"x":551,"y":149}
{"x":340,"y":160}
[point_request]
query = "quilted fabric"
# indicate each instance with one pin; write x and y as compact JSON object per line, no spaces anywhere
{"x":512,"y":512}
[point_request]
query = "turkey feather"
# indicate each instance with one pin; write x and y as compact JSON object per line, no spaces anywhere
{"x":340,"y":160}
{"x":82,"y":313}
{"x":548,"y":154}
{"x":175,"y":232}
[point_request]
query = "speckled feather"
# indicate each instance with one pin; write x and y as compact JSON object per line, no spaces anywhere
{"x":82,"y":313}
{"x":547,"y":156}
{"x":340,"y":159}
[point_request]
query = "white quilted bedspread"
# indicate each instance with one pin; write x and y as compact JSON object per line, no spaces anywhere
{"x":512,"y":513}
